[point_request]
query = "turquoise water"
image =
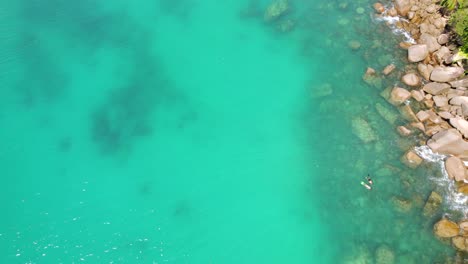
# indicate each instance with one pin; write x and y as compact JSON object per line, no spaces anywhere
{"x":195,"y":132}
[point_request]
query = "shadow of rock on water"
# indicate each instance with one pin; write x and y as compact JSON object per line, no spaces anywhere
{"x":45,"y":81}
{"x":177,"y":8}
{"x":123,"y":118}
{"x":83,"y":21}
{"x":65,"y":144}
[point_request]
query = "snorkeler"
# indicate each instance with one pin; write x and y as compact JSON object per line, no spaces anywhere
{"x":369,"y":180}
{"x":368,"y":187}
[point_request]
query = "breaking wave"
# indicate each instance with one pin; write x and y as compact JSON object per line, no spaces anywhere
{"x":454,"y":200}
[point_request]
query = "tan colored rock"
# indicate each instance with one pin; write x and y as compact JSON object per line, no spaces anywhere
{"x":417,"y":52}
{"x":449,"y":142}
{"x":370,"y":71}
{"x":430,"y":41}
{"x":459,"y":100}
{"x":425,"y":70}
{"x":419,"y":126}
{"x":388,"y":69}
{"x":460,"y":243}
{"x":445,"y":115}
{"x":460,"y":83}
{"x":407,"y":113}
{"x":429,"y":103}
{"x":442,"y":55}
{"x":446,"y":228}
{"x":431,"y":9}
{"x":422,"y":116}
{"x":463,"y":189}
{"x":379,"y":8}
{"x":436,"y":88}
{"x":411,"y":159}
{"x":403,"y":131}
{"x":455,"y":168}
{"x":433,"y":117}
{"x":433,"y":129}
{"x":418,"y":95}
{"x":398,"y":96}
{"x":402,"y":7}
{"x":411,"y":79}
{"x":432,"y":204}
{"x":464,"y":227}
{"x":392,"y":12}
{"x":440,"y":100}
{"x":443,"y":39}
{"x":446,"y":74}
{"x":461,"y":125}
{"x":464,"y":108}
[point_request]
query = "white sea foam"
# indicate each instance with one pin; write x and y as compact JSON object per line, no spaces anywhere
{"x":454,"y":200}
{"x":391,"y":21}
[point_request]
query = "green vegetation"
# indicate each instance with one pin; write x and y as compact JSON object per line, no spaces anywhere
{"x":452,"y":4}
{"x":459,"y":23}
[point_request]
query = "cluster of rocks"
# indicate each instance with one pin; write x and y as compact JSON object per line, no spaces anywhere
{"x":433,"y":99}
{"x":457,"y":233}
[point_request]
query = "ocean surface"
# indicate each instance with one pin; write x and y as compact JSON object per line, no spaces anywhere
{"x":194,"y":131}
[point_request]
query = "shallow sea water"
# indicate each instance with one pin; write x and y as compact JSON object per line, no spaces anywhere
{"x":193,"y":131}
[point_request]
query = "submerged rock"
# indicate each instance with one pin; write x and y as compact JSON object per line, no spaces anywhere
{"x":286,"y":25}
{"x":386,"y":113}
{"x":446,"y":228}
{"x":411,"y":159}
{"x":388,"y":69}
{"x":363,"y":130}
{"x":432,"y":204}
{"x":384,"y":255}
{"x":276,"y":9}
{"x":322,"y":91}
{"x":402,"y":205}
{"x":460,"y":243}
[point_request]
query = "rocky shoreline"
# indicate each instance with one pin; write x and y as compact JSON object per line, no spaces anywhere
{"x":432,"y":96}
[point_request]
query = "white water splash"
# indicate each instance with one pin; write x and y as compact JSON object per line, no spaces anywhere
{"x":455,"y":200}
{"x":391,"y":21}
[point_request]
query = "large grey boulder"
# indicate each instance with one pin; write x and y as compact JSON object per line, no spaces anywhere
{"x":461,"y":125}
{"x":446,"y":74}
{"x":425,"y":70}
{"x":459,"y":100}
{"x":417,"y":53}
{"x":398,"y":96}
{"x":460,"y":83}
{"x":411,"y":79}
{"x":436,"y":88}
{"x":430,"y":41}
{"x":455,"y":168}
{"x":450,"y":142}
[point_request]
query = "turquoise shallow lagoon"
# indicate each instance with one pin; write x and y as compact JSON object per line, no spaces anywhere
{"x":193,"y":131}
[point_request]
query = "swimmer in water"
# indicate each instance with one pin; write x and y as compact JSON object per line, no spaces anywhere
{"x":369,"y":180}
